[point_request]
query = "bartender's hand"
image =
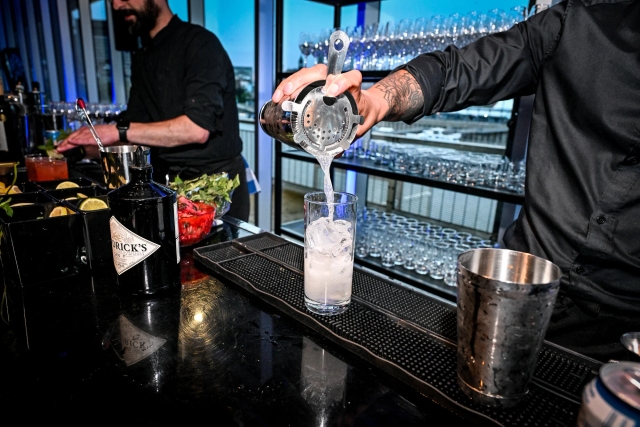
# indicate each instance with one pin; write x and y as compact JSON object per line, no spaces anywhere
{"x":108,"y":135}
{"x":291,"y":87}
{"x":396,"y":97}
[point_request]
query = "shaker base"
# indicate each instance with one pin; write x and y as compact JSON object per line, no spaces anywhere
{"x":492,"y":400}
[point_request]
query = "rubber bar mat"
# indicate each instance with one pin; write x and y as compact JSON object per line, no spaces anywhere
{"x":407,"y":333}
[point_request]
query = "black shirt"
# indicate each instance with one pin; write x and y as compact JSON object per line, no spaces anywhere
{"x":581,"y":59}
{"x":185,"y":70}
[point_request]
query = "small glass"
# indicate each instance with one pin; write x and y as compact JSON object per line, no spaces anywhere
{"x":329,"y":234}
{"x":43,"y":168}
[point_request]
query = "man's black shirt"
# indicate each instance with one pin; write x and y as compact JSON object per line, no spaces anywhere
{"x":185,"y":70}
{"x":581,"y":59}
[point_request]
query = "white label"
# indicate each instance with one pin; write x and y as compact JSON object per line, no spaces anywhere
{"x":175,"y":217}
{"x":137,"y":344}
{"x":4,"y":146}
{"x":129,"y":249}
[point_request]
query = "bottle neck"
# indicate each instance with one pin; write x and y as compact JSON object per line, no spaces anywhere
{"x":139,"y":174}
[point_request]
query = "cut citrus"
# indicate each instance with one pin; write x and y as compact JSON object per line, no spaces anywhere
{"x":66,"y":184}
{"x":92,"y":204}
{"x":15,"y":205}
{"x":71,"y":198}
{"x":52,"y":153}
{"x":82,"y":196}
{"x":14,"y":189}
{"x":58,"y":211}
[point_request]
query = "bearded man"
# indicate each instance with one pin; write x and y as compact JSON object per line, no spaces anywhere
{"x":182,"y":101}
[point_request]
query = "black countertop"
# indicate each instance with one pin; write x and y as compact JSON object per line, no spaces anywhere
{"x":227,"y":359}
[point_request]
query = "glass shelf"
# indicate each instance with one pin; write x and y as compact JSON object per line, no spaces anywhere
{"x":368,"y":167}
{"x":367,"y":76}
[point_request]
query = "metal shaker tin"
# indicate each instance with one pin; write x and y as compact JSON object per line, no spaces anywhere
{"x":612,"y":399}
{"x":318,"y":124}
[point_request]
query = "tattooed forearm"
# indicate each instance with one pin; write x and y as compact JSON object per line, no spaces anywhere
{"x":403,"y":94}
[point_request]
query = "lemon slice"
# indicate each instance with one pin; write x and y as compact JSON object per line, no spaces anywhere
{"x":2,"y":186}
{"x":14,"y":189}
{"x":92,"y":204}
{"x":54,"y":154}
{"x":71,"y":198}
{"x":66,"y":184}
{"x":20,"y":204}
{"x":82,"y":196}
{"x":58,"y":211}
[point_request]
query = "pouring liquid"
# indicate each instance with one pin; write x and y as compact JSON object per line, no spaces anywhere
{"x":325,"y":165}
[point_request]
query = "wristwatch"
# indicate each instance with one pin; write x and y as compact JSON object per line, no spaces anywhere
{"x":123,"y":126}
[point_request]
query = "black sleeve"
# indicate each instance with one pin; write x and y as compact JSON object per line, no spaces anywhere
{"x":493,"y":68}
{"x":207,"y":77}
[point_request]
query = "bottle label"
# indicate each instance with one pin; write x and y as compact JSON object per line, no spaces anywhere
{"x":129,"y":249}
{"x":175,"y":216}
{"x":137,"y":344}
{"x":4,"y":146}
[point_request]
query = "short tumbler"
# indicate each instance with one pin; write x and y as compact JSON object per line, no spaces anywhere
{"x":329,"y":236}
{"x":44,"y":168}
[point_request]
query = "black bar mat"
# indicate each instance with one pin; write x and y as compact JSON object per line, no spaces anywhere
{"x":403,"y":331}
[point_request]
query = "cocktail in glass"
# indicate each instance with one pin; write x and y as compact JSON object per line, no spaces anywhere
{"x":328,"y":251}
{"x":43,"y":168}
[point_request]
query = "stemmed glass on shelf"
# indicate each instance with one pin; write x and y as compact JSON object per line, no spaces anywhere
{"x":386,"y":45}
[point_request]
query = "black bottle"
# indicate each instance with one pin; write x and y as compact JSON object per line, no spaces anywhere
{"x":144,"y":231}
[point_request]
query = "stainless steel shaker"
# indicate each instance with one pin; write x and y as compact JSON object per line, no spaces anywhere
{"x":314,"y":122}
{"x":505,"y":301}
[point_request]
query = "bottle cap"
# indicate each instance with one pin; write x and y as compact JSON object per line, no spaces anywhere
{"x":141,"y":157}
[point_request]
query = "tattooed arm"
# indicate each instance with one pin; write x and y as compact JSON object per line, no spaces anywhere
{"x":403,"y":94}
{"x":394,"y":98}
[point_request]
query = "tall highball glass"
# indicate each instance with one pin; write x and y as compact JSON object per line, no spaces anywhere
{"x":329,"y":236}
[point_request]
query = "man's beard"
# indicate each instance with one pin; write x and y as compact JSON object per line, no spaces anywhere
{"x":145,"y":18}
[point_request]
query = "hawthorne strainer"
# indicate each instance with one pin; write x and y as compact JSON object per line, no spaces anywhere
{"x":316,"y":123}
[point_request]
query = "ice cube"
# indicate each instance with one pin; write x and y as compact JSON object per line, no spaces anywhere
{"x":328,"y":237}
{"x":321,"y":236}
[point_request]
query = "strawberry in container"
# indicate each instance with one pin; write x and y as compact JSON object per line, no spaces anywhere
{"x":213,"y":189}
{"x":194,"y":220}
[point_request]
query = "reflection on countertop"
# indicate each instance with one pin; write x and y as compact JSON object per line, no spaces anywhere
{"x":225,"y":355}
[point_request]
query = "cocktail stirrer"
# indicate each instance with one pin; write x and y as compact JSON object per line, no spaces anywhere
{"x":82,"y":113}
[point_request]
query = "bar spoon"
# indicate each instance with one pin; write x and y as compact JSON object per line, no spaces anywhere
{"x":82,"y":114}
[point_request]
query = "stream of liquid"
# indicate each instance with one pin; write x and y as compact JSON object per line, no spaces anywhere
{"x":325,"y":164}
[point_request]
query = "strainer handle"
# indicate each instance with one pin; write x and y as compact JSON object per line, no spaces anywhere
{"x":338,"y":46}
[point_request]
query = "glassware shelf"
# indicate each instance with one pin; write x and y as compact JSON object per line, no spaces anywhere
{"x":367,"y":76}
{"x":368,"y":167}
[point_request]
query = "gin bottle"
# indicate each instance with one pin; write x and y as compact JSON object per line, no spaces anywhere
{"x":144,"y":231}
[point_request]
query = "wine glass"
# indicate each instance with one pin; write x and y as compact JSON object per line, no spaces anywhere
{"x":370,"y":46}
{"x":306,"y":46}
{"x":517,"y":14}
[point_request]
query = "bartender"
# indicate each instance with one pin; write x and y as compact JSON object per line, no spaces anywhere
{"x":182,"y":101}
{"x":582,"y":200}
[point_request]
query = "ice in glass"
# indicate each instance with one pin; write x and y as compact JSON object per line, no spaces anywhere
{"x":328,"y":251}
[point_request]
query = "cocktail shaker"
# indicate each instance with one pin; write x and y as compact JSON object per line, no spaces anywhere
{"x":316,"y":123}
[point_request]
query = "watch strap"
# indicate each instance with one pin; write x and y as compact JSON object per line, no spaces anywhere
{"x":123,"y":126}
{"x":122,"y":134}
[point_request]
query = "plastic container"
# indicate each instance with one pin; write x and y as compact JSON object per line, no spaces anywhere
{"x":194,"y":226}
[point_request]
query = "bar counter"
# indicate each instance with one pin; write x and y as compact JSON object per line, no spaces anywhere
{"x":208,"y":352}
